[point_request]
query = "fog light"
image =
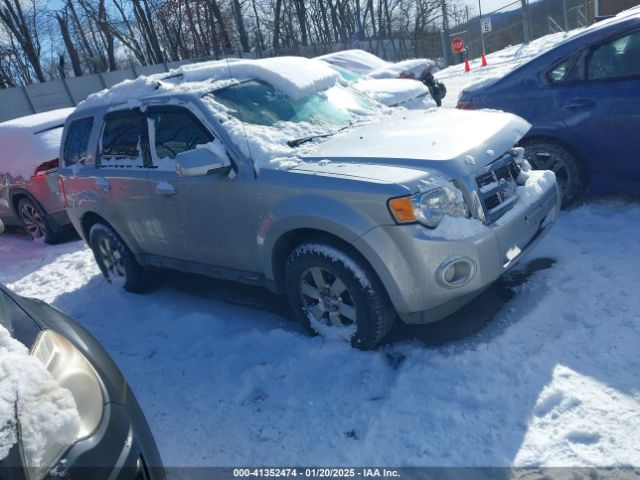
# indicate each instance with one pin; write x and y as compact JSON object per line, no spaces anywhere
{"x":455,"y":272}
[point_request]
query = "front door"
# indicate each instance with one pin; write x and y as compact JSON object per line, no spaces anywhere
{"x":603,"y":110}
{"x":197,"y":212}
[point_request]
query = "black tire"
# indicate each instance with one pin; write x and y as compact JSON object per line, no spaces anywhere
{"x":116,"y":261}
{"x":570,"y":173}
{"x":363,"y":298}
{"x":34,"y":220}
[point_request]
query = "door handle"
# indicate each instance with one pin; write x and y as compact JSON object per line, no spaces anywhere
{"x":579,"y":103}
{"x":165,"y":189}
{"x":103,"y":184}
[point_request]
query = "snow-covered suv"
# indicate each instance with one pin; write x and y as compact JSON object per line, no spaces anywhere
{"x":359,"y":213}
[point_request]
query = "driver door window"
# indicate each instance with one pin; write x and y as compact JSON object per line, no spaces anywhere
{"x":617,"y":59}
{"x":174,"y":131}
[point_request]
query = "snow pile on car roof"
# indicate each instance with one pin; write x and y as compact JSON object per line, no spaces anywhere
{"x":413,"y":66}
{"x":357,"y":61}
{"x":294,"y":76}
{"x":47,"y":413}
{"x":29,"y":141}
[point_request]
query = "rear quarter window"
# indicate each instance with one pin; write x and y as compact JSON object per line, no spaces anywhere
{"x":76,"y":143}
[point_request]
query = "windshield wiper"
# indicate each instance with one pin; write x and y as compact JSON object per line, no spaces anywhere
{"x":299,"y":141}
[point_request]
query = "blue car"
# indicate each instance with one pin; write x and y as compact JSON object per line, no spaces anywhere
{"x":583,"y":99}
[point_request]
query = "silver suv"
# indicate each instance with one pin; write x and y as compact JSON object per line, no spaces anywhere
{"x":358,"y":213}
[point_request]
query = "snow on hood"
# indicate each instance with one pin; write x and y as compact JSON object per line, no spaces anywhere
{"x":27,"y":142}
{"x":392,"y":91}
{"x":414,"y":66}
{"x":356,"y":61}
{"x":46,"y":411}
{"x":453,"y":142}
{"x":296,"y":77}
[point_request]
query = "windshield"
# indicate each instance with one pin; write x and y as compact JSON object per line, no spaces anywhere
{"x":259,"y":103}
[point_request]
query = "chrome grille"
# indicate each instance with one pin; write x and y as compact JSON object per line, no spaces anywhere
{"x":496,"y":187}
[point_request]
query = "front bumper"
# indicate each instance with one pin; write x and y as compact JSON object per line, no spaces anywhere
{"x":407,"y":259}
{"x":118,"y":450}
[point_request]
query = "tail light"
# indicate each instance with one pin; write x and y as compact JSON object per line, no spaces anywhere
{"x":63,"y":192}
{"x":466,"y":105}
{"x":47,"y":167}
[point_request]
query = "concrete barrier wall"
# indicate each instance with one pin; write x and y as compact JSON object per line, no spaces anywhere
{"x":42,"y":97}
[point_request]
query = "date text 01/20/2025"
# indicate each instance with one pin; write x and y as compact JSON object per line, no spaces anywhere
{"x":314,"y":472}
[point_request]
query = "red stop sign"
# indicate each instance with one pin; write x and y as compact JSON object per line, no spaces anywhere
{"x":457,"y":45}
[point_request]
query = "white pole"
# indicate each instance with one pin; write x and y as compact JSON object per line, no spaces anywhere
{"x":481,"y":29}
{"x":596,"y":7}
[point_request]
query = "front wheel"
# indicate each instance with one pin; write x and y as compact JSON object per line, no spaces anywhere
{"x":570,"y":174}
{"x":337,"y":295}
{"x":116,"y":261}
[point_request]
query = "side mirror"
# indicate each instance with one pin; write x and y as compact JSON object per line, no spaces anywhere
{"x":201,"y":161}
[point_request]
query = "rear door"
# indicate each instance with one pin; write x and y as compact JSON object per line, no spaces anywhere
{"x":122,"y":176}
{"x":603,"y":110}
{"x":197,"y":212}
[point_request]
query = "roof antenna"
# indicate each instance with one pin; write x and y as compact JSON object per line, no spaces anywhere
{"x":244,"y":130}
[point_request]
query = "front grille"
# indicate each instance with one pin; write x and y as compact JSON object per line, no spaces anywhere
{"x":496,"y":184}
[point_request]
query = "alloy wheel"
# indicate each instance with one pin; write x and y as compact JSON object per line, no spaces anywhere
{"x":326,"y":298}
{"x":111,"y":259}
{"x":32,"y":220}
{"x":549,"y":161}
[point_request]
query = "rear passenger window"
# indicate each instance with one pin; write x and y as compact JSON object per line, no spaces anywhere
{"x":77,"y":141}
{"x":174,"y":132}
{"x":121,"y":142}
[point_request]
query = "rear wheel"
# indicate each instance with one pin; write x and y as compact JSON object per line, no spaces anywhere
{"x":116,"y":261}
{"x":34,"y":220}
{"x":570,"y":173}
{"x":335,"y":294}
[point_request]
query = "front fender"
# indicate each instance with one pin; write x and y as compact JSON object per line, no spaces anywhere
{"x":311,"y":212}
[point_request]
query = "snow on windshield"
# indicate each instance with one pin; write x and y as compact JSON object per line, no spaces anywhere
{"x":263,"y":134}
{"x":47,"y":412}
{"x":29,"y":141}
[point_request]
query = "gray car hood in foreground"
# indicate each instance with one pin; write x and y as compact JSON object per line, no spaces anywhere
{"x":451,"y":142}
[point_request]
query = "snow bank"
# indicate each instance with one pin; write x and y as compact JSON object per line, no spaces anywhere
{"x":393,"y":91}
{"x":29,"y":141}
{"x":47,"y":413}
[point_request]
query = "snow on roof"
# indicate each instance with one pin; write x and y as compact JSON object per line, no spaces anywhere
{"x":415,"y":66}
{"x":357,"y":61}
{"x":47,"y":412}
{"x":296,"y":77}
{"x":29,"y":141}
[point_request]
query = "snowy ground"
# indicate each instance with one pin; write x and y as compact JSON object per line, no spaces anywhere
{"x":550,"y":380}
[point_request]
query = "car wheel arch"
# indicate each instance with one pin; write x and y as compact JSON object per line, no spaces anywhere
{"x":292,"y":239}
{"x":545,"y":137}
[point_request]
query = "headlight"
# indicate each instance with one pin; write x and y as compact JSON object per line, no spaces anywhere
{"x":71,"y":370}
{"x":429,"y":208}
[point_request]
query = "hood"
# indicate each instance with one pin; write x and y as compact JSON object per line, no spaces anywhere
{"x":392,"y":91}
{"x":452,"y":142}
